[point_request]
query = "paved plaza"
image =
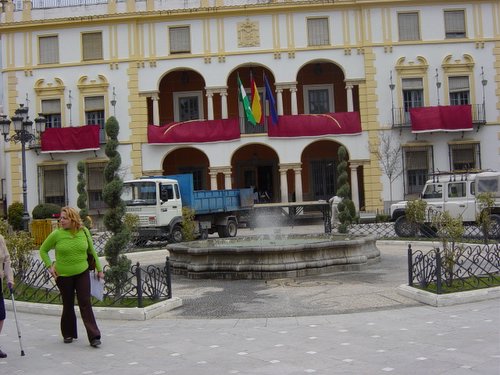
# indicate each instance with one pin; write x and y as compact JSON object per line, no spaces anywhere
{"x":335,"y":323}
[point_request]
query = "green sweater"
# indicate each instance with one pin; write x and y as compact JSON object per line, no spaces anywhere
{"x":71,"y":251}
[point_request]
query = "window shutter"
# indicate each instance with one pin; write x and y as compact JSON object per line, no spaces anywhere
{"x":317,"y":32}
{"x":54,"y":182}
{"x":408,"y":26}
{"x":179,"y":39}
{"x":458,"y":84}
{"x":48,"y":49}
{"x":412,"y":84}
{"x":94,"y":103}
{"x":51,"y":106}
{"x":95,"y":176}
{"x":454,"y":22}
{"x":92,"y":46}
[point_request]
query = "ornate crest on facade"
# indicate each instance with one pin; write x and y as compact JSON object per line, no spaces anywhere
{"x":248,"y":34}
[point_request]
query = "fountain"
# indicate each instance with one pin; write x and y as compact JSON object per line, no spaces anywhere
{"x":272,"y":256}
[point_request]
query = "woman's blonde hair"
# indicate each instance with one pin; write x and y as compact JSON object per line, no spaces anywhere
{"x":73,"y":216}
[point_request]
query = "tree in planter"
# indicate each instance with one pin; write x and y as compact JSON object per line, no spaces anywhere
{"x":20,"y":245}
{"x":346,"y":208}
{"x":15,"y":216}
{"x":483,"y":218}
{"x":388,"y":154}
{"x":450,"y":231}
{"x":119,"y":264}
{"x":82,"y":195}
{"x":188,"y":225}
{"x":415,"y":215}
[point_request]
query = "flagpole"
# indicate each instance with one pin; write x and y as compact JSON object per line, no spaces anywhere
{"x":264,"y":101}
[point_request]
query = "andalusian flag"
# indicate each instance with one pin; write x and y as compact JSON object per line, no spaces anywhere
{"x":256,"y":106}
{"x":246,"y":103}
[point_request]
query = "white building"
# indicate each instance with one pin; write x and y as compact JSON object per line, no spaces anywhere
{"x":342,"y":72}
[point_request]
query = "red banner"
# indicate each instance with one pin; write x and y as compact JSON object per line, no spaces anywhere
{"x":347,"y":123}
{"x":453,"y":118}
{"x":71,"y":139}
{"x":195,"y":131}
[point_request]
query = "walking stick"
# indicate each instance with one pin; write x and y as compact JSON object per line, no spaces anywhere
{"x":15,"y":317}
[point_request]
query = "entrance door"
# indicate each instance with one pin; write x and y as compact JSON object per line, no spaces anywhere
{"x":323,"y":179}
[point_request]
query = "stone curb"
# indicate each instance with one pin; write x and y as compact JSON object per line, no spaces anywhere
{"x":112,"y":313}
{"x":450,"y":299}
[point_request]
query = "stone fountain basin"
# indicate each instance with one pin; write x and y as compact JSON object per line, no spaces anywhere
{"x":270,"y":257}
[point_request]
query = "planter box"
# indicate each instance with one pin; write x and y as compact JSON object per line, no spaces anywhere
{"x":449,"y":299}
{"x":41,"y":228}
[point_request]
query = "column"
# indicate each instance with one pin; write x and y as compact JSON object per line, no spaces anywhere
{"x":213,"y":179}
{"x":350,"y":105}
{"x":156,"y":109}
{"x":293,"y":92}
{"x":279,"y":101}
{"x":223,"y":95}
{"x":228,"y":184}
{"x":298,"y":184}
{"x":210,"y":105}
{"x":283,"y":185}
{"x":354,"y":185}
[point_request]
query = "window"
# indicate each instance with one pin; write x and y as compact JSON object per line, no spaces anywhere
{"x":457,"y":189}
{"x":454,"y":24}
{"x":318,"y":99}
{"x":459,"y":90}
{"x":95,"y":184}
{"x":94,"y":114}
{"x":188,"y":106}
{"x":52,"y":184}
{"x":408,"y":26}
{"x":464,"y":156}
{"x":180,"y":39}
{"x":317,"y":32}
{"x":92,"y":46}
{"x":51,"y":110}
{"x":48,"y":49}
{"x":413,"y":94}
{"x":417,"y":165}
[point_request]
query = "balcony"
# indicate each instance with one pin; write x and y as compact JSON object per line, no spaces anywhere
{"x":402,"y":119}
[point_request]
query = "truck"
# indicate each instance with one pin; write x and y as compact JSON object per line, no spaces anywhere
{"x":158,"y":202}
{"x":455,"y":192}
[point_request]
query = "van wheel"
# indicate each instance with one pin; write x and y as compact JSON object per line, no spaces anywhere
{"x":176,"y":234}
{"x":404,"y":228}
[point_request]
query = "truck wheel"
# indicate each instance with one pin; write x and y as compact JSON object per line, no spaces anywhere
{"x":176,"y":234}
{"x":404,"y":228}
{"x":221,"y":231}
{"x":231,"y":228}
{"x":494,"y":232}
{"x":204,"y":234}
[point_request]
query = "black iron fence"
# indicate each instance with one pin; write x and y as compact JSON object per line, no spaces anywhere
{"x":386,"y":230}
{"x":140,"y":287}
{"x":460,"y":268}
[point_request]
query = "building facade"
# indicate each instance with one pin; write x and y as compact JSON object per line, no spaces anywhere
{"x":418,"y":80}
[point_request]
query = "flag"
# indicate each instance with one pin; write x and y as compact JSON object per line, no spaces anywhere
{"x":256,"y":106}
{"x":272,"y":102}
{"x":245,"y":102}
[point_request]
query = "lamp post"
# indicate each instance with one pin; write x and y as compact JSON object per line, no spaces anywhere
{"x":392,"y":86}
{"x":438,"y":85}
{"x":484,"y":82}
{"x":69,"y":105}
{"x":23,"y":128}
{"x":113,"y":102}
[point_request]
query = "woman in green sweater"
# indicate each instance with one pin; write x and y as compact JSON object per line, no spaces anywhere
{"x":72,"y":242}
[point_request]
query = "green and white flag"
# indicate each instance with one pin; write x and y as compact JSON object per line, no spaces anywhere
{"x":246,"y":102}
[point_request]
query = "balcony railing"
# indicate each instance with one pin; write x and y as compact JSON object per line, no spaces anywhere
{"x":401,"y":118}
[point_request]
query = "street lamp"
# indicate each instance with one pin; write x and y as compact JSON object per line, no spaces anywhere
{"x":438,"y":85}
{"x":113,"y":102}
{"x":392,"y":86}
{"x":23,"y":128}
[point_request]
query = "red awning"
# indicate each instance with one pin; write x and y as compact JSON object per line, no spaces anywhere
{"x":195,"y":131}
{"x":453,"y":118}
{"x":345,"y":123}
{"x":71,"y":139}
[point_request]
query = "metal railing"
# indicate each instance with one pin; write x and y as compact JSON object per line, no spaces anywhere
{"x":461,"y":268}
{"x":152,"y":283}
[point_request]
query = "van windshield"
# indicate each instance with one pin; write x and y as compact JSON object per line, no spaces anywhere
{"x":139,"y":193}
{"x":433,"y":191}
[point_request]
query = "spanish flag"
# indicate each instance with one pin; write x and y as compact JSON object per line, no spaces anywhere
{"x":256,"y":106}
